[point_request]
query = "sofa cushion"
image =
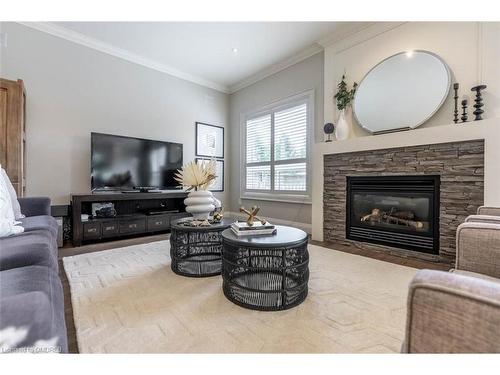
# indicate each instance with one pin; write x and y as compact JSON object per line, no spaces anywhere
{"x":24,"y":323}
{"x":23,"y":253}
{"x":45,"y":233}
{"x":43,"y":222}
{"x":34,"y":237}
{"x":32,"y":298}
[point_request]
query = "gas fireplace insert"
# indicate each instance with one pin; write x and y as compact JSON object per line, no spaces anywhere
{"x":398,"y":211}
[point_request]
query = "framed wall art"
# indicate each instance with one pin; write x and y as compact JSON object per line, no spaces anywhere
{"x":218,"y":185}
{"x":209,"y":140}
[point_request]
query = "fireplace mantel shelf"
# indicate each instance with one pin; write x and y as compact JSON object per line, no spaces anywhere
{"x":487,"y":130}
{"x":421,"y":136}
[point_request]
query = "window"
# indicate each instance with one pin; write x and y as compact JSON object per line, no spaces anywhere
{"x":276,"y":150}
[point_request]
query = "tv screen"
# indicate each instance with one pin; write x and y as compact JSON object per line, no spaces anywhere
{"x":122,"y":163}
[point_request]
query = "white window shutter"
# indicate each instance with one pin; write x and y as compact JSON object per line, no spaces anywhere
{"x":290,"y":133}
{"x":258,"y":139}
{"x":277,"y":150}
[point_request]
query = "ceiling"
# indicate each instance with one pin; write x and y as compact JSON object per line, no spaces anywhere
{"x":221,"y":55}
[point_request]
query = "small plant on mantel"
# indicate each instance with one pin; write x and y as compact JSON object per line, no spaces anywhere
{"x":344,"y":96}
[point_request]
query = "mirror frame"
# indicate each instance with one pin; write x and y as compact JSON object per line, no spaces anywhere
{"x":448,"y":73}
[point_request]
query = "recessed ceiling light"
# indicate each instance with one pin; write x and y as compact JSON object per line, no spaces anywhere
{"x":235,"y":50}
{"x":409,"y":53}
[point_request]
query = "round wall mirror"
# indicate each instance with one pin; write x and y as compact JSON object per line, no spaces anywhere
{"x":401,"y":92}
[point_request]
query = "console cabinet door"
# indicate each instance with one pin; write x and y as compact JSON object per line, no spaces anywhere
{"x":158,"y":223}
{"x":132,"y":226}
{"x":110,"y":228}
{"x":91,"y":231}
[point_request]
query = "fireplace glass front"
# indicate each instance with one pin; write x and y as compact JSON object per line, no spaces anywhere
{"x":399,"y":211}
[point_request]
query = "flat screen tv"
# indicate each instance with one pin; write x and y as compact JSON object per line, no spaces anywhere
{"x":125,"y":163}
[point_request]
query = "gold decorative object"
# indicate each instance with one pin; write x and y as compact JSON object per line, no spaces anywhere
{"x":253,"y":215}
{"x":218,"y":215}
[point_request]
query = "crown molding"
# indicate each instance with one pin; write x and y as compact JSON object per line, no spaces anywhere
{"x":348,"y":35}
{"x":357,"y":34}
{"x":275,"y":68}
{"x":109,"y":49}
{"x":343,"y":32}
{"x":345,"y":37}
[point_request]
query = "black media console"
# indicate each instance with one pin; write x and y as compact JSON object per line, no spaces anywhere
{"x":136,"y":214}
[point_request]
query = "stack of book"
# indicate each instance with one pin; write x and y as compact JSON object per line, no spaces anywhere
{"x":241,"y":228}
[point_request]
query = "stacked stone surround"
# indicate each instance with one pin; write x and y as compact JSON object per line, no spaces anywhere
{"x":460,"y":165}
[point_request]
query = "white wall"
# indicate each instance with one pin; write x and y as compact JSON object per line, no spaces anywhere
{"x":298,"y":78}
{"x":73,"y":90}
{"x":471,"y":50}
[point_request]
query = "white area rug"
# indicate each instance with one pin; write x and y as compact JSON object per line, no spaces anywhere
{"x":128,"y":300}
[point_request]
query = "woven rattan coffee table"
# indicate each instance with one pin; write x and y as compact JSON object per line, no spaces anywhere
{"x":196,"y":251}
{"x":268,"y":272}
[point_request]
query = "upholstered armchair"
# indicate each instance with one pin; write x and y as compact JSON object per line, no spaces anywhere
{"x":459,"y":311}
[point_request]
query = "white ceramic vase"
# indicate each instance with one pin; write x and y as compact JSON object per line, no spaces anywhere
{"x":343,"y":128}
{"x":199,"y":204}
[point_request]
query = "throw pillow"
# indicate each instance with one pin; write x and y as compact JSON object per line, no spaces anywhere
{"x":8,"y":228}
{"x":13,"y":196}
{"x":6,"y":211}
{"x":8,"y":225}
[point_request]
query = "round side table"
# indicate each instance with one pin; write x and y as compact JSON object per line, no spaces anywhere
{"x":196,"y":251}
{"x":266,"y":272}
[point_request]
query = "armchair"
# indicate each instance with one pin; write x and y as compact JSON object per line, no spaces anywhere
{"x":459,"y":311}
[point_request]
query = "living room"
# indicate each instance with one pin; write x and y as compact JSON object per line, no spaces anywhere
{"x":272,"y":187}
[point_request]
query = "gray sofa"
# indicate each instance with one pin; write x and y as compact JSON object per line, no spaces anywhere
{"x":31,"y":294}
{"x":459,"y":311}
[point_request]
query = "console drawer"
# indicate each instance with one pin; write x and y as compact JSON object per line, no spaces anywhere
{"x":110,"y":228}
{"x":132,"y":226}
{"x":91,"y":231}
{"x":158,"y":222}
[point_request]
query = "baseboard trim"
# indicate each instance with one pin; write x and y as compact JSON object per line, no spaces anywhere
{"x":304,"y":226}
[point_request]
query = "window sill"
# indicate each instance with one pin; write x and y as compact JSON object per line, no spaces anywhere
{"x":285,"y":198}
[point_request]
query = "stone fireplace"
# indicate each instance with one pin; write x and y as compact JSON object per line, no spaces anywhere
{"x":405,"y":201}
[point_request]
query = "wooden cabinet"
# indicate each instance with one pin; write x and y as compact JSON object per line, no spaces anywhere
{"x":137,"y":214}
{"x":12,"y":132}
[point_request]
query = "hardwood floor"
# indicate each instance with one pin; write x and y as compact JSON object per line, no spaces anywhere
{"x":71,"y":251}
{"x":409,"y":262}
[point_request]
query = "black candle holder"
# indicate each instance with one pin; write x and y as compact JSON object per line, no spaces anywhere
{"x":479,"y":102}
{"x":455,"y":112}
{"x":464,"y":110}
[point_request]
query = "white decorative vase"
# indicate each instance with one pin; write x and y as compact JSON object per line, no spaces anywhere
{"x":343,"y":128}
{"x":200,"y":203}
